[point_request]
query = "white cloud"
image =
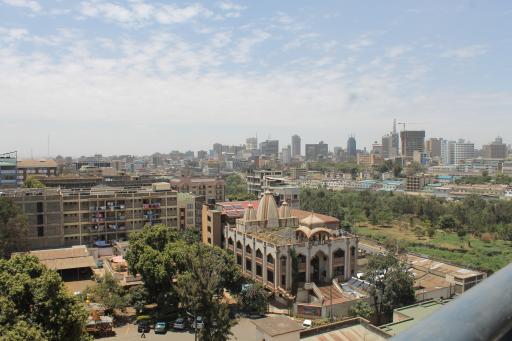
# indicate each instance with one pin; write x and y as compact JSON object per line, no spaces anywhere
{"x":10,"y":35}
{"x":30,"y":4}
{"x":360,"y":43}
{"x":231,"y":6}
{"x":139,"y":12}
{"x":241,"y":54}
{"x":466,"y":52}
{"x":397,"y":51}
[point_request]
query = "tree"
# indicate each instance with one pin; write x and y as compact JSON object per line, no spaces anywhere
{"x":254,"y":299}
{"x":200,"y":290}
{"x":147,"y":256}
{"x":33,"y":182}
{"x":34,"y":304}
{"x":109,"y":293}
{"x":236,"y":188}
{"x":392,"y":285}
{"x":139,"y":297}
{"x":13,"y":228}
{"x":448,"y":222}
{"x":361,"y":309}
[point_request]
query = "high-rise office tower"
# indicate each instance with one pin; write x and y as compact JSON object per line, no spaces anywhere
{"x":296,"y":145}
{"x":412,"y":140}
{"x":447,"y":152}
{"x":317,"y":151}
{"x":464,"y":150}
{"x":286,"y":155}
{"x":269,"y":147}
{"x":217,"y":150}
{"x":351,"y":146}
{"x":251,"y":143}
{"x":433,"y":147}
{"x":495,"y":150}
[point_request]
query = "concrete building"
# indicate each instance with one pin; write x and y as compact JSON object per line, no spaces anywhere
{"x":415,"y":183}
{"x":464,"y":150}
{"x":433,"y":147}
{"x":412,"y":140}
{"x":262,"y":236}
{"x":256,"y":180}
{"x":448,"y":152}
{"x":495,"y":150}
{"x":269,"y":148}
{"x":368,"y":160}
{"x":45,"y":168}
{"x":251,"y":143}
{"x":209,"y":188}
{"x":187,"y":211}
{"x":59,"y":218}
{"x":286,"y":155}
{"x":8,"y":171}
{"x":301,"y":173}
{"x":296,"y":146}
{"x":351,"y":146}
{"x":317,"y":151}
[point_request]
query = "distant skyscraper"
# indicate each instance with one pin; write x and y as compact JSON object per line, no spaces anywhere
{"x":269,"y":147}
{"x":217,"y":150}
{"x":433,"y":147}
{"x":296,"y":145}
{"x":412,"y":140}
{"x":317,"y":151}
{"x":447,"y":152}
{"x":352,"y":146}
{"x":286,"y":155}
{"x":464,"y":150}
{"x":251,"y":143}
{"x":495,"y":150}
{"x":390,"y":143}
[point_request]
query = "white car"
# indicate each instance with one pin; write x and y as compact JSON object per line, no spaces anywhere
{"x":179,"y":324}
{"x":307,"y":324}
{"x":198,"y":323}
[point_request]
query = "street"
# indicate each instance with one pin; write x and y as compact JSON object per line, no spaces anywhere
{"x":243,"y":330}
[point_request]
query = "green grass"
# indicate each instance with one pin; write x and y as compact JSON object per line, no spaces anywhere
{"x":477,"y":254}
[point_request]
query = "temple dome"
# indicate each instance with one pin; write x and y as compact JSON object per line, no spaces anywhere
{"x":284,"y":210}
{"x":312,"y":221}
{"x":267,"y":209}
{"x":249,"y":214}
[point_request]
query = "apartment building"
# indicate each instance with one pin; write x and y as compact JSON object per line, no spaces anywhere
{"x":209,"y":188}
{"x":186,"y":211}
{"x":256,"y":179}
{"x":59,"y":218}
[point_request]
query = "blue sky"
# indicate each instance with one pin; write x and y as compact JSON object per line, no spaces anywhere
{"x":138,"y":77}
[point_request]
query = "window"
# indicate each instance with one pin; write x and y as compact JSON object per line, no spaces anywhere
{"x":40,"y":220}
{"x":40,"y":231}
{"x":259,"y":270}
{"x":270,"y":276}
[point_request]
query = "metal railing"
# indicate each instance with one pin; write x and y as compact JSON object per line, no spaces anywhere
{"x":482,"y":313}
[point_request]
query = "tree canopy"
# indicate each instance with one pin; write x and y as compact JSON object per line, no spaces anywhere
{"x":186,"y":274}
{"x":392,"y":285}
{"x":236,"y":188}
{"x":472,"y":214}
{"x":34,"y":304}
{"x":33,"y":182}
{"x":13,"y":228}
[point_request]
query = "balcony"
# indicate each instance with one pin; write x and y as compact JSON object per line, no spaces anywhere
{"x":151,"y":206}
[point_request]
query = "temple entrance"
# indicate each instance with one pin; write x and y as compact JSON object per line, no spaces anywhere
{"x":319,"y":268}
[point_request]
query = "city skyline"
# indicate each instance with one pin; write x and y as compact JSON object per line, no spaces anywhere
{"x":137,"y":77}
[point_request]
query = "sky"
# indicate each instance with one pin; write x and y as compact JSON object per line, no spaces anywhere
{"x":139,"y":76}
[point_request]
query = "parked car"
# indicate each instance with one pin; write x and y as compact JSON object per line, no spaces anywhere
{"x":198,"y":323}
{"x":179,"y":324}
{"x":160,"y":328}
{"x":143,"y":327}
{"x":307,"y":324}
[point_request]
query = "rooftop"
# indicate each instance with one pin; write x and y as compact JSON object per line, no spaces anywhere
{"x":441,"y":268}
{"x":404,"y":318}
{"x":66,"y":258}
{"x":355,"y":329}
{"x":277,"y":325}
{"x":37,"y":164}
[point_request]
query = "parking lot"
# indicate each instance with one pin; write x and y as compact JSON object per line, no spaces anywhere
{"x":243,"y":330}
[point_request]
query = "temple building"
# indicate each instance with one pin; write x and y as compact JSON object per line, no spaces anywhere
{"x":266,"y":238}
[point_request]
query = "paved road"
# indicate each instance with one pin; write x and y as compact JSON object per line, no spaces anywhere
{"x":243,"y":330}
